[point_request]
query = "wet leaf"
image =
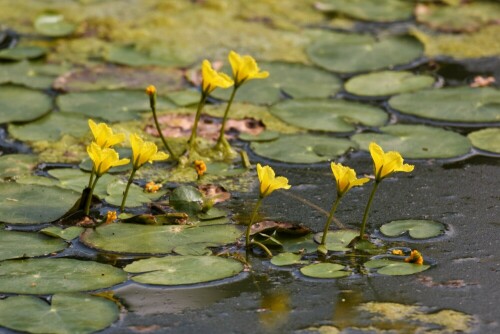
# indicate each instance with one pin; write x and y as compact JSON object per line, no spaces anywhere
{"x":13,"y":165}
{"x":136,"y":195}
{"x":287,"y":259}
{"x":66,"y":313}
{"x":395,"y":268}
{"x":198,"y":249}
{"x":67,"y":234}
{"x":53,"y":25}
{"x":22,"y":52}
{"x":186,"y":199}
{"x":31,"y":75}
{"x":213,"y":213}
{"x":180,"y":270}
{"x":75,"y":179}
{"x":337,"y":241}
{"x":304,"y":244}
{"x":48,"y":276}
{"x":270,"y":226}
{"x":486,"y":139}
{"x":15,"y":244}
{"x":417,"y":141}
{"x":379,"y":11}
{"x":417,"y":229}
{"x":324,"y":270}
{"x":263,"y":136}
{"x":18,"y":104}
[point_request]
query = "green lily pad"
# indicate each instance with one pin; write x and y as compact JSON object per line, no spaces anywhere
{"x":213,"y":213}
{"x":186,"y":199}
{"x":66,"y":313}
{"x":486,"y":139}
{"x":136,"y":195}
{"x":53,"y":25}
{"x":303,"y":148}
{"x":38,"y":180}
{"x":15,"y":244}
{"x":12,"y":165}
{"x":337,"y":241}
{"x":180,"y":270}
{"x":454,"y":104}
{"x":198,"y":249}
{"x":328,"y":115}
{"x":68,"y":234}
{"x":395,"y":268}
{"x":285,"y":78}
{"x":39,"y":76}
{"x":303,"y":244}
{"x":347,"y":53}
{"x":51,"y":127}
{"x":185,"y":97}
{"x":18,"y":104}
{"x":263,"y":136}
{"x":324,"y":270}
{"x":33,"y":204}
{"x":156,"y":56}
{"x":113,"y":106}
{"x":387,"y":83}
{"x":22,"y":52}
{"x":151,"y":239}
{"x":378,"y":11}
{"x":416,"y":141}
{"x":287,"y":259}
{"x":75,"y":179}
{"x":417,"y":229}
{"x":48,"y":276}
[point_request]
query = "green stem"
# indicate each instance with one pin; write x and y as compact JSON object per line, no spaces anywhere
{"x":89,"y":198}
{"x":226,"y":113}
{"x":367,"y":209}
{"x":329,"y":220}
{"x":125,"y":193}
{"x":91,"y":179}
{"x":252,"y":220}
{"x":201,"y":104}
{"x":152,"y":103}
{"x":264,"y":248}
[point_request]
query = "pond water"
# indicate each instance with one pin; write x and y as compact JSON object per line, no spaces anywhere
{"x":342,"y":74}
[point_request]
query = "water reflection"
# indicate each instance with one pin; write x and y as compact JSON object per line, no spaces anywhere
{"x":275,"y":310}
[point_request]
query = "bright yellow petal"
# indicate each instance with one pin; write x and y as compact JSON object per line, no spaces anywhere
{"x":121,"y":162}
{"x":378,"y":157}
{"x":136,"y":143}
{"x":160,"y":156}
{"x":235,"y":61}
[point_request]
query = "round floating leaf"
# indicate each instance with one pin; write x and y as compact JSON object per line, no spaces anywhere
{"x":263,"y":136}
{"x":379,"y":11}
{"x":48,"y":276}
{"x":387,"y":83}
{"x":15,"y":244}
{"x":150,"y":239}
{"x":416,"y":141}
{"x":34,"y":204}
{"x":187,"y":199}
{"x":287,"y":259}
{"x":66,"y":313}
{"x":158,"y":55}
{"x":54,"y":25}
{"x":68,"y":234}
{"x":328,"y":115}
{"x":197,"y":249}
{"x":347,"y":53}
{"x":324,"y":270}
{"x":212,"y":213}
{"x":395,"y":268}
{"x":303,"y":244}
{"x":18,"y":104}
{"x":337,"y":241}
{"x":296,"y":80}
{"x":24,"y":73}
{"x":75,"y":179}
{"x":303,"y":148}
{"x":136,"y":195}
{"x":51,"y":127}
{"x":22,"y":52}
{"x":486,"y":139}
{"x":16,"y":164}
{"x":417,"y":229}
{"x":179,"y":270}
{"x":454,"y":104}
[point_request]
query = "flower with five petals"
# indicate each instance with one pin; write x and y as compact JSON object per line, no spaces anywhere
{"x":103,"y":135}
{"x":144,"y":151}
{"x":104,"y":158}
{"x":387,"y":163}
{"x":245,"y":68}
{"x":269,"y":182}
{"x":213,"y":79}
{"x":346,"y":178}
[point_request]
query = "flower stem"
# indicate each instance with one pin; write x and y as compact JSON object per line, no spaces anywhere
{"x":91,"y":179}
{"x":367,"y":209}
{"x":263,"y":247}
{"x":125,"y":193}
{"x":226,"y":113}
{"x":89,"y":197}
{"x":329,"y":220}
{"x":201,"y":104}
{"x":152,"y":103}
{"x":252,"y":220}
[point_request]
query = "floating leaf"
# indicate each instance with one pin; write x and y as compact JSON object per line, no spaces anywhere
{"x":12,"y":165}
{"x":486,"y":139}
{"x":24,"y":73}
{"x":416,"y":141}
{"x":15,"y":244}
{"x":53,"y":25}
{"x":346,"y":53}
{"x":185,"y":98}
{"x":395,"y":268}
{"x":324,"y":270}
{"x":136,"y":195}
{"x":156,"y":56}
{"x":337,"y":241}
{"x":179,"y":270}
{"x":328,"y":115}
{"x":68,"y":234}
{"x":379,"y":11}
{"x":48,"y":276}
{"x":303,"y":244}
{"x":150,"y":239}
{"x":22,"y":52}
{"x":66,"y":313}
{"x":302,"y":148}
{"x":18,"y":104}
{"x":287,"y":259}
{"x":186,"y":199}
{"x":213,"y":213}
{"x":387,"y":83}
{"x":263,"y":136}
{"x":417,"y":229}
{"x":33,"y":204}
{"x":197,"y":249}
{"x":77,"y":180}
{"x":454,"y":104}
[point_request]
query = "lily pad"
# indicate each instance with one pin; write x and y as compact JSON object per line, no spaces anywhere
{"x":347,"y":53}
{"x":198,"y":249}
{"x":12,"y":165}
{"x":48,"y":276}
{"x":378,"y":11}
{"x":387,"y":83}
{"x":33,"y":204}
{"x":180,"y":270}
{"x":53,"y":25}
{"x":213,"y":213}
{"x":303,"y":148}
{"x":22,"y":52}
{"x":77,"y":180}
{"x":417,"y":141}
{"x":136,"y":195}
{"x":417,"y":229}
{"x":324,"y":270}
{"x":395,"y":268}
{"x":337,"y":241}
{"x":328,"y":115}
{"x":186,"y":199}
{"x":66,"y":313}
{"x":150,"y":239}
{"x":156,"y":56}
{"x":303,"y":244}
{"x":486,"y":139}
{"x":18,"y":104}
{"x":15,"y":244}
{"x":40,"y":76}
{"x":68,"y":234}
{"x":263,"y":136}
{"x":287,"y":259}
{"x":454,"y":104}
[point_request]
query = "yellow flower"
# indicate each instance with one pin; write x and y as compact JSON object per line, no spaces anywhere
{"x":212,"y":79}
{"x":200,"y":167}
{"x":387,"y":163}
{"x":152,"y":187}
{"x":245,"y":68}
{"x":104,"y":158}
{"x":110,"y":217}
{"x":151,"y":90}
{"x":415,"y":257}
{"x":269,"y":182}
{"x":103,"y":134}
{"x":143,"y":152}
{"x":346,"y":178}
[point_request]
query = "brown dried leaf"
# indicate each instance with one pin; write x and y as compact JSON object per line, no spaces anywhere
{"x":214,"y":193}
{"x":269,"y":226}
